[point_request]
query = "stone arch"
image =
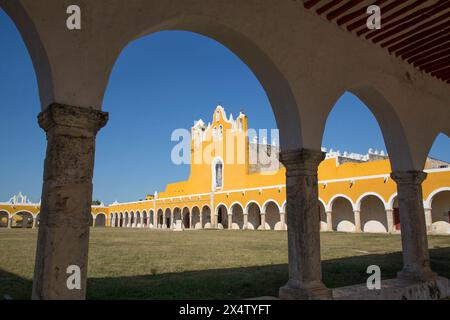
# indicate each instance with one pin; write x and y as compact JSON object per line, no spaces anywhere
{"x":138,"y":219}
{"x":160,"y":219}
{"x":168,"y":219}
{"x":373,"y":213}
{"x":144,"y":219}
{"x":343,"y":217}
{"x":122,"y":220}
{"x":358,"y":202}
{"x":116,"y":220}
{"x":151,"y":219}
{"x":237,"y":216}
{"x":35,"y":47}
{"x":401,"y":154}
{"x":276,"y":86}
{"x":111,"y":220}
{"x":126,"y":220}
{"x":132,"y":219}
{"x":22,"y":219}
{"x":254,"y":215}
{"x":272,"y":211}
{"x":222,"y":216}
{"x":206,"y":217}
{"x":429,"y":201}
{"x":323,"y":216}
{"x":195,"y":211}
{"x":100,"y":220}
{"x":4,"y":218}
{"x":186,"y":218}
{"x":177,"y":216}
{"x":440,"y":211}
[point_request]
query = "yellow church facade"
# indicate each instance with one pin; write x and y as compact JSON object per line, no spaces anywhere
{"x":236,"y":182}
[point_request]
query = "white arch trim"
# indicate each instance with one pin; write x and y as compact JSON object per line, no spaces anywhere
{"x":248,"y":205}
{"x":390,"y":203}
{"x":329,"y":207}
{"x":206,"y":206}
{"x":321,"y":201}
{"x":429,"y":200}
{"x":364,"y":195}
{"x":236,"y":203}
{"x":264,"y":206}
{"x":283,"y":206}
{"x":20,"y":211}
{"x":218,"y":206}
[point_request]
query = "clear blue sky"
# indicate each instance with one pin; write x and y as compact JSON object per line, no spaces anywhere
{"x":161,"y":82}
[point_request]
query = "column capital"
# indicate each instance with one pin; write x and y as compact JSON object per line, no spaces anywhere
{"x":73,"y":121}
{"x":301,"y":161}
{"x":408,"y":177}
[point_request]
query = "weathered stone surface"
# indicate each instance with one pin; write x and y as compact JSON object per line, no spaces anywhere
{"x":396,"y":289}
{"x":416,"y":261}
{"x":63,"y":237}
{"x":305,"y":272}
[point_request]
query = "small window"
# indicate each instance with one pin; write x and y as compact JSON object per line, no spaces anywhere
{"x":219,"y":175}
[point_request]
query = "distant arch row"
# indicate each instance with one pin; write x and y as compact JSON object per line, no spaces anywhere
{"x":369,"y":213}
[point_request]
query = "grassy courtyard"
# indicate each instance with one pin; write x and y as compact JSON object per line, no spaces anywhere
{"x":148,"y":264}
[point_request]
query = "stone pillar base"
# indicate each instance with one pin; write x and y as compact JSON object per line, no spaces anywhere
{"x":396,"y":289}
{"x":315,"y":291}
{"x":417,"y":275}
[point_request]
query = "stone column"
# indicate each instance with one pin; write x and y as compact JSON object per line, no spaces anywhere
{"x":201,"y":220}
{"x":172,"y":223}
{"x":390,"y":220}
{"x":215,"y":219}
{"x":416,"y":261}
{"x":245,"y":226}
{"x":230,"y":221}
{"x":263,"y":221}
{"x":329,"y":220}
{"x":357,"y":217}
{"x":34,"y":222}
{"x":9,"y":222}
{"x":283,"y":220}
{"x":63,"y":237}
{"x":428,"y":220}
{"x":305,"y":271}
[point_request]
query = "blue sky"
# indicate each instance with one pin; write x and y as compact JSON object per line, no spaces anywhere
{"x":160,"y":83}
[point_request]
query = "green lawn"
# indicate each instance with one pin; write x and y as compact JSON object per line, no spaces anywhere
{"x":148,"y":264}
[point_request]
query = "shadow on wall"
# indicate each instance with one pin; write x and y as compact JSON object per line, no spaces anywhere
{"x":233,"y":283}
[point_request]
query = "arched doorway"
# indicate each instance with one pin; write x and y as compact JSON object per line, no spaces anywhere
{"x":186,"y":218}
{"x":168,"y":219}
{"x":206,"y":217}
{"x":272,"y":211}
{"x":237,"y":216}
{"x":160,"y":219}
{"x":222,"y":217}
{"x":22,"y":219}
{"x":4,"y":219}
{"x":343,"y":215}
{"x":440,"y":212}
{"x":373,"y":215}
{"x":196,"y":218}
{"x":100,"y":220}
{"x":254,"y":216}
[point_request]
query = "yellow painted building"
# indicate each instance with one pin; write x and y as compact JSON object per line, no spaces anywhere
{"x":236,"y":183}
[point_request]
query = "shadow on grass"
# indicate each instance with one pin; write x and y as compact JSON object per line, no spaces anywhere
{"x":233,"y":283}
